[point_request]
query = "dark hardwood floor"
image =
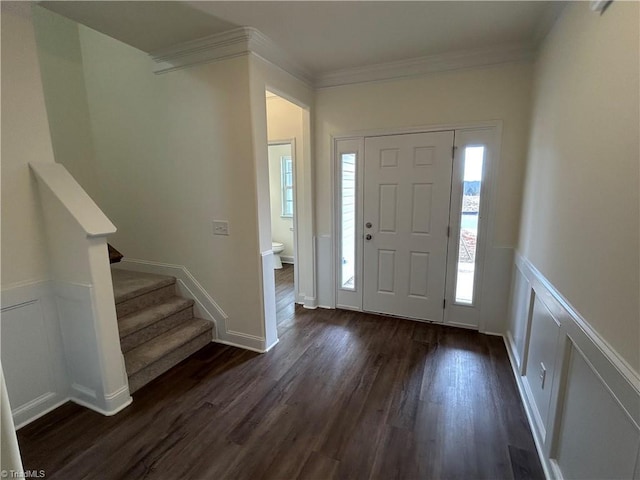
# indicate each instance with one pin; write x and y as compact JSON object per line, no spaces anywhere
{"x":343,"y":395}
{"x":285,"y":298}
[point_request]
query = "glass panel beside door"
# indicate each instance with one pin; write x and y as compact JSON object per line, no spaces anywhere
{"x":348,"y":219}
{"x":469,"y":218}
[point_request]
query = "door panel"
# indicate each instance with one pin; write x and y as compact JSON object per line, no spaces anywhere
{"x":407,"y":185}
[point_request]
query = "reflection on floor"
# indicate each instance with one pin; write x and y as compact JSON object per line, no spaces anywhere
{"x":344,"y":395}
{"x":285,"y":297}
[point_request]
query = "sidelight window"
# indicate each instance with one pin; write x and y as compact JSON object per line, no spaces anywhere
{"x":348,"y":218}
{"x":469,"y":219}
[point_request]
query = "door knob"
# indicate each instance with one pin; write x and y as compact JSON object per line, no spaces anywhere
{"x":368,"y":236}
{"x":368,"y":225}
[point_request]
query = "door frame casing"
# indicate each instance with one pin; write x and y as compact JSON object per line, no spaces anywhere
{"x":458,"y":314}
{"x":489,"y":200}
{"x":292,"y":142}
{"x":341,"y":295}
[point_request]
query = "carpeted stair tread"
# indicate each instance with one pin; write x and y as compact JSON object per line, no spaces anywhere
{"x":167,"y":362}
{"x":128,"y":284}
{"x":162,"y":345}
{"x":150,"y":315}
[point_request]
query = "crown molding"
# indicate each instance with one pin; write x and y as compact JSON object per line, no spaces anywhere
{"x":265,"y":48}
{"x":428,"y":64}
{"x":247,"y":40}
{"x":222,"y":46}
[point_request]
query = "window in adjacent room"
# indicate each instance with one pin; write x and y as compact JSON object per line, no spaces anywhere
{"x":286,"y":170}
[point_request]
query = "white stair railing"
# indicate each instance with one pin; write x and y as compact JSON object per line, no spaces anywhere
{"x":76,"y":231}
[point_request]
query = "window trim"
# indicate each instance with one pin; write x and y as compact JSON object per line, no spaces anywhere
{"x":284,"y":187}
{"x":350,"y":298}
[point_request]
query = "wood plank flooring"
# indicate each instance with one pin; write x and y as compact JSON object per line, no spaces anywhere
{"x":343,"y":395}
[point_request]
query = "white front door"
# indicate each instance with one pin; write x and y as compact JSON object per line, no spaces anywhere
{"x":407,"y":188}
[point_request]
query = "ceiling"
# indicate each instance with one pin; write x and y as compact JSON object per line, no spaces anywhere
{"x":324,"y":36}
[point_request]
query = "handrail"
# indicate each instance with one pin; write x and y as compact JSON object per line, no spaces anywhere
{"x":76,"y":201}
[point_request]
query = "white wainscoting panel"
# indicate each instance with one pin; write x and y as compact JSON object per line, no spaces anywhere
{"x":326,"y":281}
{"x":543,"y":342}
{"x":518,"y":315}
{"x":269,"y":298}
{"x":494,"y":297}
{"x":32,"y":352}
{"x":10,"y":449}
{"x":586,"y":418}
{"x":79,"y":339}
{"x":590,"y":417}
{"x":310,"y":298}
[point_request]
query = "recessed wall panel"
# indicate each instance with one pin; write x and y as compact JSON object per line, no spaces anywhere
{"x":388,"y":207}
{"x":421,"y":208}
{"x":419,"y":275}
{"x":25,"y":354}
{"x":541,"y":362}
{"x":386,"y":270}
{"x":597,"y":439}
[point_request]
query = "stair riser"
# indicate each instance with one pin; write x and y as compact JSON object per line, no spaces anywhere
{"x":149,"y":373}
{"x":146,"y":300}
{"x":159,"y":327}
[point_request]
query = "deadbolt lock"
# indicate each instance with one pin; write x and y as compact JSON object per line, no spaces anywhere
{"x":368,"y":225}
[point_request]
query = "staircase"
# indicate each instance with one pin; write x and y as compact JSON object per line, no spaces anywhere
{"x":157,"y":327}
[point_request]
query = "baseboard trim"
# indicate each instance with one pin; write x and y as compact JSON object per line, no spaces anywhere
{"x":287,"y":259}
{"x":527,"y":408}
{"x":237,"y":345}
{"x":310,"y":303}
{"x":106,"y":413}
{"x":41,"y":413}
{"x":245,"y":347}
{"x":493,"y":334}
{"x":112,"y":399}
{"x":269,"y":347}
{"x":83,"y":392}
{"x":205,"y":306}
{"x":251,"y":342}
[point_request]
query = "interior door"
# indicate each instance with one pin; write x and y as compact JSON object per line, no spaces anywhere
{"x":407,"y":188}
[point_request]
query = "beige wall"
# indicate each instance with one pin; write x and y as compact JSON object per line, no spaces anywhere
{"x":65,"y":96}
{"x":581,"y":210}
{"x":172,"y":153}
{"x":499,"y":93}
{"x":25,"y":138}
{"x":284,"y":122}
{"x":265,"y":76}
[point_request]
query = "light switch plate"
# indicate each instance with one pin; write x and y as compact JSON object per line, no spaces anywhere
{"x":220,"y":227}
